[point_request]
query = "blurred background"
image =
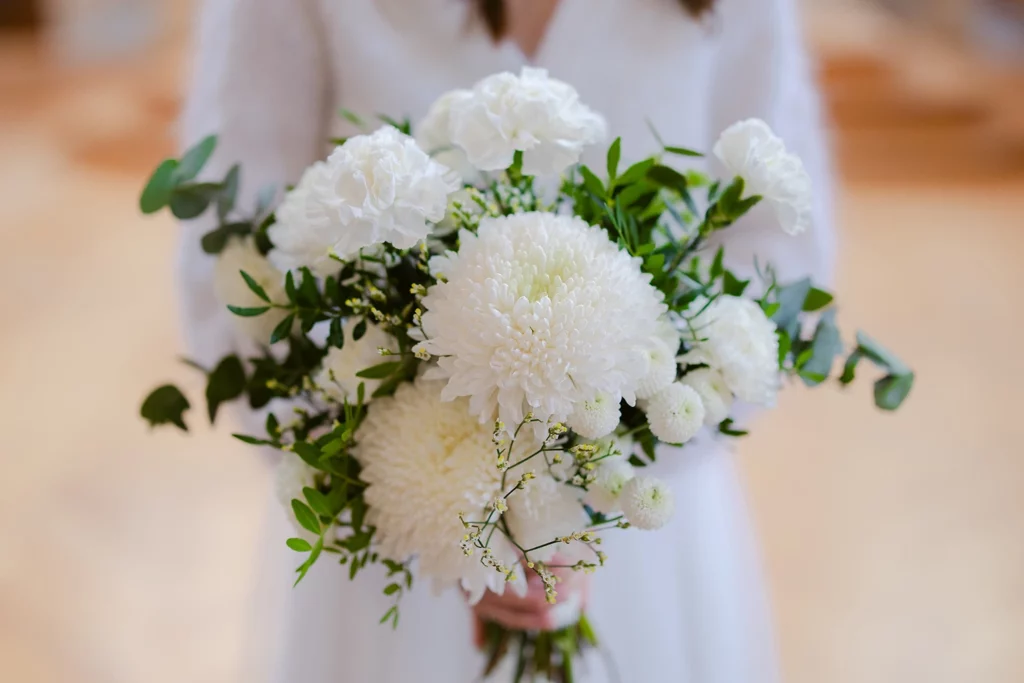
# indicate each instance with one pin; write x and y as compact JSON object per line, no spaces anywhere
{"x":894,"y":544}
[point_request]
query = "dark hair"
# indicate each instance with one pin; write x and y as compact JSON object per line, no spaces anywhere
{"x":493,"y":13}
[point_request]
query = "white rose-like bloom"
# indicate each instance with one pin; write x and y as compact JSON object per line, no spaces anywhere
{"x":374,"y":188}
{"x":337,"y":376}
{"x":546,"y":510}
{"x":675,"y":413}
{"x":647,"y":503}
{"x":433,"y":134}
{"x":537,"y":313}
{"x":291,"y":475}
{"x":540,"y":116}
{"x":426,"y":461}
{"x":611,"y":477}
{"x":714,"y":394}
{"x":596,"y":417}
{"x":751,"y":150}
{"x":231,"y":290}
{"x":738,"y":340}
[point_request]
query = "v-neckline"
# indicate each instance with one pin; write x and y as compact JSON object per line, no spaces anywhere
{"x":534,"y":59}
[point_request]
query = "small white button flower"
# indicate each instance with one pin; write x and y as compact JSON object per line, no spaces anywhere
{"x":337,"y":376}
{"x":751,"y":150}
{"x":531,"y":113}
{"x":714,"y":394}
{"x":647,"y":503}
{"x":373,"y":189}
{"x":241,"y":254}
{"x":610,"y":478}
{"x":662,"y":361}
{"x":675,"y":413}
{"x":596,"y":417}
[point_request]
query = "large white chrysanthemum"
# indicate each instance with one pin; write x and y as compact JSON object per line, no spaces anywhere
{"x":426,"y":461}
{"x":337,"y":376}
{"x":647,"y":503}
{"x":231,"y":290}
{"x":531,"y":113}
{"x":374,"y":188}
{"x":546,"y":510}
{"x":538,"y":313}
{"x":736,"y":338}
{"x":751,"y":150}
{"x":714,"y":394}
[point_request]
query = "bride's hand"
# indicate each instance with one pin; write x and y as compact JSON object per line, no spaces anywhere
{"x":532,"y":611}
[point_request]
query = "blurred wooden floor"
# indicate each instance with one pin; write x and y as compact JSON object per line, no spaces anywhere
{"x":895,"y":545}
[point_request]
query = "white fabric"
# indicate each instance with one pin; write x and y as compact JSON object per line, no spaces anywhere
{"x":685,"y":603}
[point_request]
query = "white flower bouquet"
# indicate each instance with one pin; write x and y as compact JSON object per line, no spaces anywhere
{"x":477,"y":365}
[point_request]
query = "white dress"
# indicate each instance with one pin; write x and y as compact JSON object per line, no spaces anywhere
{"x":685,"y":603}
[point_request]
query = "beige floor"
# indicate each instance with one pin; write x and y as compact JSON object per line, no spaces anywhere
{"x":895,"y":544}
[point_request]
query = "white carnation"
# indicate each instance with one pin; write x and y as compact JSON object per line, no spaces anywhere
{"x":597,"y":416}
{"x":736,"y":338}
{"x":291,"y":475}
{"x":647,"y":503}
{"x":231,"y":290}
{"x":532,"y":113}
{"x":433,"y":134}
{"x":538,"y":313}
{"x":372,"y":189}
{"x":546,"y":510}
{"x":751,"y":150}
{"x":611,"y":477}
{"x":714,"y":394}
{"x":675,"y":413}
{"x":337,"y":376}
{"x":426,"y":461}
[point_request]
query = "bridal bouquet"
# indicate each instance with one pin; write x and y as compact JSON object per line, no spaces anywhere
{"x":471,"y":345}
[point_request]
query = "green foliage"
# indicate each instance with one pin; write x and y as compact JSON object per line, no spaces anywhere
{"x":225,"y":383}
{"x":194,"y":159}
{"x":157,"y":193}
{"x":165,"y":405}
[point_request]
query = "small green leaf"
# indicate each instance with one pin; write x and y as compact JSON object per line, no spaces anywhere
{"x":299,"y":545}
{"x":592,"y":182}
{"x":785,"y":344}
{"x":825,"y":346}
{"x":228,"y":194}
{"x":717,"y":269}
{"x":791,"y":300}
{"x":283,"y":329}
{"x":892,"y":390}
{"x":252,"y":440}
{"x":194,"y":159}
{"x":816,"y":300}
{"x":225,"y":383}
{"x":359,"y":330}
{"x":190,"y":201}
{"x":157,"y":193}
{"x":352,"y":118}
{"x":392,"y":588}
{"x":254,"y":286}
{"x":614,"y":154}
{"x":336,"y":337}
{"x":390,"y":614}
{"x":305,"y":517}
{"x":668,"y":177}
{"x":635,"y":172}
{"x":732,"y":285}
{"x":314,"y":554}
{"x":318,"y":502}
{"x":850,"y":368}
{"x":726,"y":428}
{"x":380,"y":371}
{"x":165,"y":405}
{"x":289,"y":287}
{"x":309,"y":453}
{"x":682,"y":151}
{"x":248,"y":312}
{"x":881,"y":356}
{"x":214,"y":241}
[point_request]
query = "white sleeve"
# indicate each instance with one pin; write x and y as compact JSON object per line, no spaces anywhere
{"x":763,"y":71}
{"x":260,"y":83}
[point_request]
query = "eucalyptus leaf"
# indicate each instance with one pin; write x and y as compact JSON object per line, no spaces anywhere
{"x":826,"y":345}
{"x":791,"y":300}
{"x":214,"y":241}
{"x":229,"y":193}
{"x":190,"y":201}
{"x":194,"y":159}
{"x":892,"y":390}
{"x":157,"y":193}
{"x":165,"y":405}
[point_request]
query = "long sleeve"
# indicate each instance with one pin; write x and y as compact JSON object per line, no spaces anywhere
{"x":763,"y":71}
{"x":261,"y":84}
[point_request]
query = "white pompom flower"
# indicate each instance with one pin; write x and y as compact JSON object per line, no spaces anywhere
{"x":610,"y":478}
{"x":241,"y":254}
{"x":291,"y":475}
{"x":373,"y":189}
{"x":596,"y":417}
{"x":426,"y":461}
{"x":647,"y":503}
{"x":537,"y":313}
{"x":751,"y":150}
{"x":532,"y":113}
{"x":733,"y":336}
{"x":337,"y":376}
{"x":545,"y":510}
{"x":675,"y":413}
{"x":661,"y":357}
{"x":714,"y":394}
